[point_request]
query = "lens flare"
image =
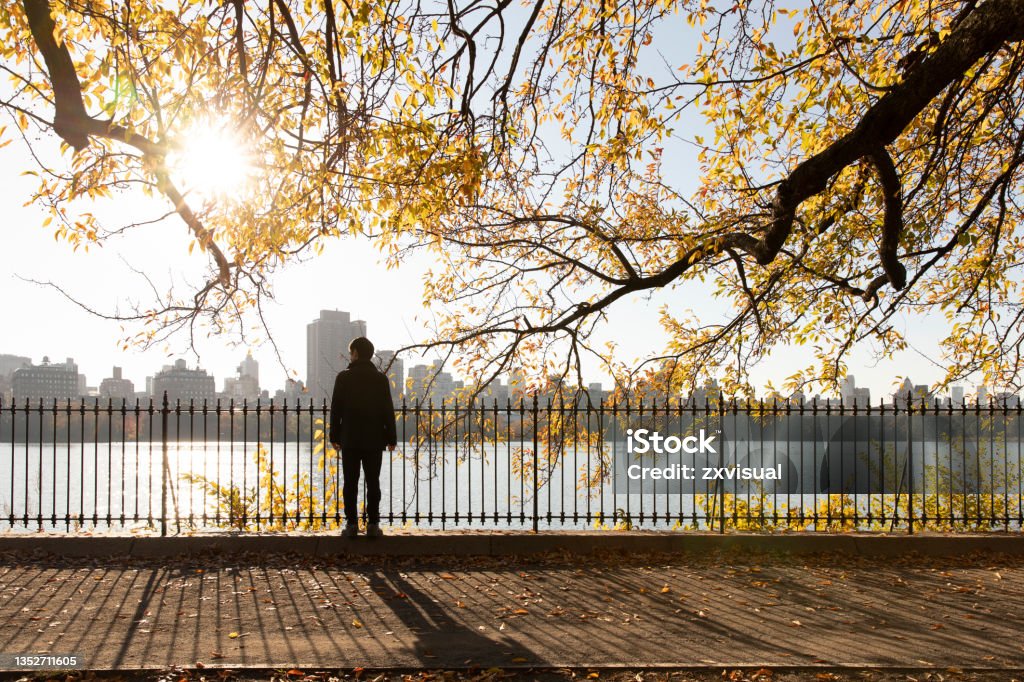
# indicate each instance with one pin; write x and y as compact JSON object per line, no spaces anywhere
{"x":212,"y":162}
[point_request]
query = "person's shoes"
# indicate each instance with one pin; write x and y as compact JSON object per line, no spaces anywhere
{"x":351,"y":530}
{"x":373,"y":530}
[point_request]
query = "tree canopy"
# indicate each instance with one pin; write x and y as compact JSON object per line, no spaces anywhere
{"x":822,"y":167}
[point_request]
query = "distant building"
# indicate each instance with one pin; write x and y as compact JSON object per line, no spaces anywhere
{"x":246,"y":384}
{"x":517,"y":385}
{"x":117,"y":387}
{"x":430,"y":382}
{"x":48,"y":381}
{"x":294,"y":392}
{"x":417,"y":383}
{"x":1006,"y":399}
{"x":9,"y":363}
{"x":249,"y":368}
{"x":956,"y":395}
{"x":395,"y":369}
{"x":704,"y":395}
{"x":184,"y":384}
{"x":852,"y":395}
{"x":920,"y":394}
{"x":444,"y":384}
{"x":327,"y":340}
{"x":899,"y":398}
{"x":495,"y":392}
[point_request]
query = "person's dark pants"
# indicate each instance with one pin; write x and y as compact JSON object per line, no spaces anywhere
{"x":371,"y":462}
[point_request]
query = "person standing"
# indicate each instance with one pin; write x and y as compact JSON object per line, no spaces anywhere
{"x":362,"y":425}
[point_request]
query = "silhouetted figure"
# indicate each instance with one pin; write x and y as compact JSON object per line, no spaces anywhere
{"x":362,"y":425}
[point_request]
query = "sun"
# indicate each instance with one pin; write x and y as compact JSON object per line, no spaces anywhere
{"x":212,"y":162}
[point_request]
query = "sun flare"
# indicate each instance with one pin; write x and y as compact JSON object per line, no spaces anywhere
{"x":212,"y":162}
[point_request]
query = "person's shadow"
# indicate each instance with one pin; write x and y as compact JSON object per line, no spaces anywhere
{"x":440,"y":640}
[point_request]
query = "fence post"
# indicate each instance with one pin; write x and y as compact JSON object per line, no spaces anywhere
{"x":721,"y":460}
{"x":910,"y":463}
{"x":536,"y":454}
{"x":164,"y":467}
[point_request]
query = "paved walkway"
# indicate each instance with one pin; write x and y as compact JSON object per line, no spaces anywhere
{"x":648,"y":610}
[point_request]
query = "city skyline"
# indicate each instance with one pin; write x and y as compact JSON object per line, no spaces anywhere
{"x":422,"y":382}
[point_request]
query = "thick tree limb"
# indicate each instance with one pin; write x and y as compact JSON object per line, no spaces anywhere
{"x":892,"y":225}
{"x":983,"y":31}
{"x":70,"y":112}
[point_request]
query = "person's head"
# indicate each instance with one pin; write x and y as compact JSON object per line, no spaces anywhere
{"x":361,"y":349}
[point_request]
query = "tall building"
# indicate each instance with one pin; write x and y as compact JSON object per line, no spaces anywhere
{"x":117,"y":387}
{"x":1007,"y":399}
{"x":9,"y":363}
{"x":444,"y":383}
{"x":495,"y":391}
{"x":395,"y":369}
{"x":956,"y":395}
{"x":899,"y":398}
{"x":246,"y":385}
{"x":852,"y":395}
{"x":595,"y":393}
{"x":182,"y":383}
{"x":416,"y":385}
{"x":48,"y":381}
{"x":429,"y":382}
{"x":327,"y":339}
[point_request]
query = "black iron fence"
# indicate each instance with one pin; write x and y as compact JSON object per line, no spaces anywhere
{"x":534,"y":463}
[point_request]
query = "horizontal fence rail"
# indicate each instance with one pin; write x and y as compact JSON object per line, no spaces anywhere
{"x":161,"y":466}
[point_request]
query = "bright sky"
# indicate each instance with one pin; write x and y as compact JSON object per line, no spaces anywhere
{"x":39,"y":321}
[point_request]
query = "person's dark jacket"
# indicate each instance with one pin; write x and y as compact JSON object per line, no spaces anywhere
{"x":362,"y":412}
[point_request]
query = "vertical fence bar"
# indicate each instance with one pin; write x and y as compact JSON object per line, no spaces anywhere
{"x":536,"y":483}
{"x":405,"y":467}
{"x":721,"y":463}
{"x":910,"y":464}
{"x":53,"y":491}
{"x":455,"y":454}
{"x":164,"y":412}
{"x":39,"y":473}
{"x":191,"y":463}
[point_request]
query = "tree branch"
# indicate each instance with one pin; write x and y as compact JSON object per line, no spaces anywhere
{"x":892,"y":225}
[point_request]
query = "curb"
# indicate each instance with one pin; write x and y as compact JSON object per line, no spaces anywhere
{"x":517,"y":544}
